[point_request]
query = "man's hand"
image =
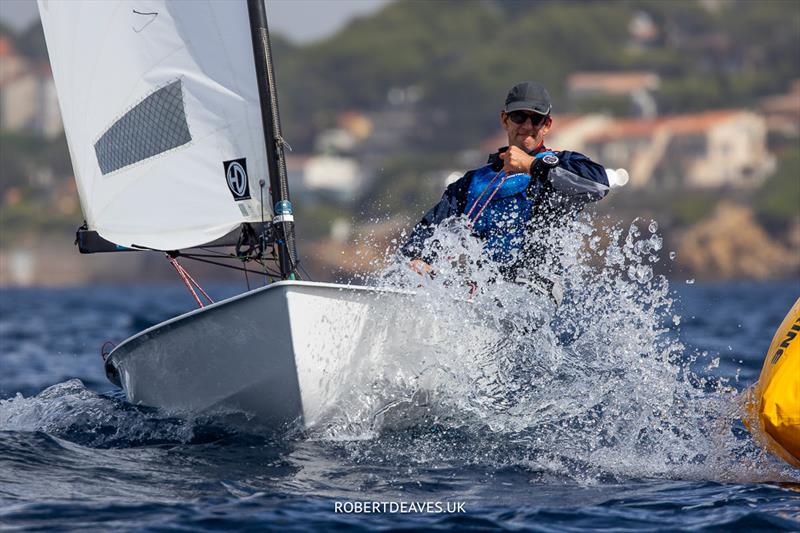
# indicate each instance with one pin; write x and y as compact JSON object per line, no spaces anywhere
{"x":516,"y":160}
{"x":420,"y":267}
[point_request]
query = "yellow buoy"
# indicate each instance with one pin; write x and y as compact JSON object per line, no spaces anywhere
{"x":773,"y":403}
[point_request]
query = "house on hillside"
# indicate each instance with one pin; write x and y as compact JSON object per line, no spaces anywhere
{"x":711,"y":149}
{"x":643,"y":30}
{"x":335,"y":141}
{"x":638,"y":87}
{"x":570,"y":132}
{"x":356,"y":123}
{"x":322,"y":176}
{"x":11,"y":63}
{"x":336,"y":177}
{"x":28,"y":98}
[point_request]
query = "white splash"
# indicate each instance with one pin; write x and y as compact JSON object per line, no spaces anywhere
{"x":72,"y":411}
{"x":601,"y":386}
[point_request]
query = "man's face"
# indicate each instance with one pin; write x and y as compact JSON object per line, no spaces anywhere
{"x":526,"y":136}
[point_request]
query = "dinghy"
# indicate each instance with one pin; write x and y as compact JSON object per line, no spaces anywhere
{"x":171,"y":116}
{"x":280,"y":352}
{"x":172,"y":122}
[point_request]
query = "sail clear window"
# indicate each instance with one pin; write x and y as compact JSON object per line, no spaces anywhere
{"x":153,"y":126}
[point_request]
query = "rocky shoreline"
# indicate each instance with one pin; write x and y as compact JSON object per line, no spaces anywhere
{"x":730,"y":243}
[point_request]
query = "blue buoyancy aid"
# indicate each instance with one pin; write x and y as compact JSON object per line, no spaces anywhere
{"x":500,"y":207}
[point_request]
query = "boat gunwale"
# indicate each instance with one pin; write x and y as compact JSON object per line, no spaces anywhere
{"x":278,"y":284}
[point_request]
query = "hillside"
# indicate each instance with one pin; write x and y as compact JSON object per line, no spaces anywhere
{"x":463,"y":56}
{"x":458,"y":58}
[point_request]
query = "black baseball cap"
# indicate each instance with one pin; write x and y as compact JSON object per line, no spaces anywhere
{"x":528,"y":96}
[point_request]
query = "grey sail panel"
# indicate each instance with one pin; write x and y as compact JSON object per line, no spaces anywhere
{"x":155,"y":125}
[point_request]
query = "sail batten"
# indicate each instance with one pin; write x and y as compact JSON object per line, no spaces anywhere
{"x":161,"y":110}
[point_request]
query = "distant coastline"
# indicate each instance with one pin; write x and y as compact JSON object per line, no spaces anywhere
{"x":728,"y":244}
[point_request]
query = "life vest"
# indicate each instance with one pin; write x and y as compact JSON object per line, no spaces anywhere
{"x":502,"y":208}
{"x":499,"y":207}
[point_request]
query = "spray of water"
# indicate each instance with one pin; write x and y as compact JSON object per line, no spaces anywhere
{"x":70,"y":411}
{"x":474,"y":370}
{"x":598,"y":386}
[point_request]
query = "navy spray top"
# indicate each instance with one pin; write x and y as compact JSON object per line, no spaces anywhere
{"x":500,"y":206}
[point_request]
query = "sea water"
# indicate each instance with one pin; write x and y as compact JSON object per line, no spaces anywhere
{"x":619,"y":409}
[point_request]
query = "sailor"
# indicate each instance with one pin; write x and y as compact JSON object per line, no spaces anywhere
{"x":524,"y":189}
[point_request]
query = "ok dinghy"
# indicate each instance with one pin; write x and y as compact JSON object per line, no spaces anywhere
{"x":172,"y":122}
{"x":171,"y":116}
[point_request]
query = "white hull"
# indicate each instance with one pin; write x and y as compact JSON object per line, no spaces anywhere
{"x":282,"y":353}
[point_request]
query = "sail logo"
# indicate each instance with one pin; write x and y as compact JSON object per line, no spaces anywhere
{"x":236,"y":175}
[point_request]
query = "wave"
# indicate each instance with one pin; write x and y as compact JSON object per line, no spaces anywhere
{"x":598,"y":388}
{"x":76,"y":414}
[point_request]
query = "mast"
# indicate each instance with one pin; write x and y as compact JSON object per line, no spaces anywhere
{"x":283,"y":219}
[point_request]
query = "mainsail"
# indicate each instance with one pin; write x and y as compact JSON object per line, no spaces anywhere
{"x":161,"y":110}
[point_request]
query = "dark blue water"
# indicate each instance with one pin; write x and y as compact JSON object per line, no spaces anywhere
{"x":74,"y":455}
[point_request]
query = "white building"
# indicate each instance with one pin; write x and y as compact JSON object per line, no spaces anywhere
{"x":338,"y":176}
{"x":711,"y":149}
{"x":28,"y":98}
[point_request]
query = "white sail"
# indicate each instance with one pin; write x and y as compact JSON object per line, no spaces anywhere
{"x":160,"y":106}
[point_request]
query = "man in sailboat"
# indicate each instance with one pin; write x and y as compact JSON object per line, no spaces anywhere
{"x":523,"y":188}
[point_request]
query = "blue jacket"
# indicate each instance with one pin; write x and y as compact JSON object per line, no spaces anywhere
{"x":501,"y":207}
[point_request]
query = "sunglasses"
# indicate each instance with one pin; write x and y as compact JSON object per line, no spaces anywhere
{"x":520,"y":117}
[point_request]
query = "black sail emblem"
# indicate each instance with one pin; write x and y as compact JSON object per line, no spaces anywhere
{"x":236,"y":176}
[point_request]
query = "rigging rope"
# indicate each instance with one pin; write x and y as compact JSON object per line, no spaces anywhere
{"x":197,"y":257}
{"x":489,"y":199}
{"x":188,"y":280}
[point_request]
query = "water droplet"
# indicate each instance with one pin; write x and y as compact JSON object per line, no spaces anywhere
{"x":640,"y":273}
{"x":653,"y":227}
{"x":672,"y":256}
{"x":690,"y":281}
{"x":676,"y":319}
{"x":656,"y":242}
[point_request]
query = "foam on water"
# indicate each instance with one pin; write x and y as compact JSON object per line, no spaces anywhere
{"x":599,"y":388}
{"x":70,"y":411}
